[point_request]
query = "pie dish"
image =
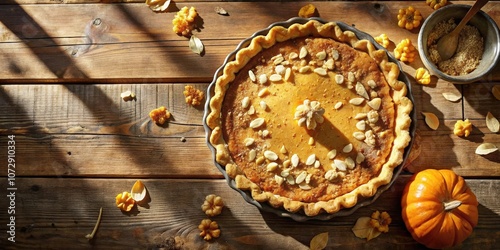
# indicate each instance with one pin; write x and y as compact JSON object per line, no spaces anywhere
{"x":309,"y":119}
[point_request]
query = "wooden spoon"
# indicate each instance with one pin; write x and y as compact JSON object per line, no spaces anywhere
{"x":447,"y":45}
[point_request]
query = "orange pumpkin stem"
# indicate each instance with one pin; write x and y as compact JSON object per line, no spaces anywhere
{"x":450,"y":205}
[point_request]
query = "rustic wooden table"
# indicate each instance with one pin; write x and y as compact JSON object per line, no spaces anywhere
{"x":63,"y":66}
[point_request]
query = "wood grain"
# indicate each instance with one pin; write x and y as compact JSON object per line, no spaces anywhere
{"x":174,"y":211}
{"x":130,"y":43}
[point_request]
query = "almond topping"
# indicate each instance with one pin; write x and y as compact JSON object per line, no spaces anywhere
{"x":332,"y":154}
{"x":375,"y":103}
{"x":262,"y":79}
{"x":361,"y":125}
{"x":321,"y":55}
{"x":350,"y":163}
{"x":356,"y":101}
{"x":360,"y":158}
{"x":257,"y":122}
{"x":338,"y":105}
{"x":304,"y":69}
{"x":275,"y":78}
{"x":272,"y":166}
{"x":251,"y":75}
{"x":304,"y":186}
{"x":263,"y":105}
{"x":360,"y":136}
{"x":310,"y":160}
{"x":320,"y":71}
{"x":303,"y":53}
{"x":301,"y":177}
{"x":249,"y":141}
{"x":293,"y":55}
{"x":270,"y":155}
{"x":347,"y":148}
{"x":279,"y":180}
{"x":263,"y":92}
{"x":372,"y":84}
{"x":245,"y":102}
{"x":340,"y":165}
{"x":486,"y":148}
{"x":339,"y":79}
{"x":283,"y":150}
{"x":295,"y":160}
{"x":252,"y":154}
{"x":288,"y":74}
{"x":360,"y":90}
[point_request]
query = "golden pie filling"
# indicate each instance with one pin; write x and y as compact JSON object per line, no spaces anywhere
{"x":309,"y":118}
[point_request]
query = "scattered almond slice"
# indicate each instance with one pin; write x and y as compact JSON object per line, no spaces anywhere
{"x":431,"y":120}
{"x":486,"y":148}
{"x":138,"y":191}
{"x":496,"y":91}
{"x":319,"y":241}
{"x":492,"y":123}
{"x":452,"y":97}
{"x":221,"y":11}
{"x":196,"y":45}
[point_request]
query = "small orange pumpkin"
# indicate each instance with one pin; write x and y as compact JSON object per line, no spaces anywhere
{"x":438,"y":208}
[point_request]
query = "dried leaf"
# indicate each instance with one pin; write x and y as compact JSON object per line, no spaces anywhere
{"x":138,"y":191}
{"x":431,"y":120}
{"x":362,"y":229}
{"x":452,"y":97}
{"x":496,"y":91}
{"x":319,"y":241}
{"x":221,"y":11}
{"x":196,"y":45}
{"x":486,"y":148}
{"x":492,"y":123}
{"x":158,"y":5}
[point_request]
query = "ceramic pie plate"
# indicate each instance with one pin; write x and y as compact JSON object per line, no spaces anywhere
{"x":280,"y":211}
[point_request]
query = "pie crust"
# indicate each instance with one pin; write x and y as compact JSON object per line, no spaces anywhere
{"x":310,"y":118}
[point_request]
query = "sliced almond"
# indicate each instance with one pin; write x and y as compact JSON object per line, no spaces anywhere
{"x":295,"y":160}
{"x":496,"y":91}
{"x":304,"y":69}
{"x":340,"y":165}
{"x":263,"y":92}
{"x":249,"y":141}
{"x":321,"y":55}
{"x":452,"y":97}
{"x":492,"y":123}
{"x":303,"y":53}
{"x":431,"y":120}
{"x":138,"y":191}
{"x":262,"y":78}
{"x":257,"y":122}
{"x":357,"y":101}
{"x":486,"y":148}
{"x":272,"y":166}
{"x":311,"y":159}
{"x":360,"y":157}
{"x":252,"y":154}
{"x":339,"y":79}
{"x":270,"y":155}
{"x":375,"y":103}
{"x":360,"y":90}
{"x":251,"y":75}
{"x":360,"y":136}
{"x":245,"y":102}
{"x":320,"y":71}
{"x":347,"y":148}
{"x":332,"y":154}
{"x":301,"y":177}
{"x":279,"y":180}
{"x":350,"y":163}
{"x":338,"y":105}
{"x":275,"y":78}
{"x":361,"y":125}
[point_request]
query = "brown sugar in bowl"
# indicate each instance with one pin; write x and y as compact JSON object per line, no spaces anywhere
{"x":488,"y":30}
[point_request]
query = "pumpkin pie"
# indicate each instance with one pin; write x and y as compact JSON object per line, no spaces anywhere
{"x":309,"y":118}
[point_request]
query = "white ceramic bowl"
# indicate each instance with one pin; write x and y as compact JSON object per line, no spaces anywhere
{"x":486,"y":26}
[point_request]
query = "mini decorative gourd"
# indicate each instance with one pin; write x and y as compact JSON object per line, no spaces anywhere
{"x":438,"y":208}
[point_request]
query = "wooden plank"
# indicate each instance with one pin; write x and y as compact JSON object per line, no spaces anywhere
{"x":75,"y":130}
{"x":59,"y":212}
{"x":131,"y":42}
